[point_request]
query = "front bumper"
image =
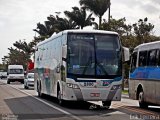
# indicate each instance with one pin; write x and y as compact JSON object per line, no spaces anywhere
{"x":94,"y":94}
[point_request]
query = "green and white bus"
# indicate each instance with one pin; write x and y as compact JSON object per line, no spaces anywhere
{"x":79,"y":65}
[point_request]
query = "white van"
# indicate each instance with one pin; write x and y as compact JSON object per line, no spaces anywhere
{"x":15,"y":73}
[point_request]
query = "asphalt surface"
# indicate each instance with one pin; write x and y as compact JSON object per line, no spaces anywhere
{"x":17,"y":103}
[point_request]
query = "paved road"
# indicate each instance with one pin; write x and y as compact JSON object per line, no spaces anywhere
{"x":18,"y":103}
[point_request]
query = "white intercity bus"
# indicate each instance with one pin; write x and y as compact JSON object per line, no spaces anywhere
{"x":79,"y":65}
{"x":144,"y":80}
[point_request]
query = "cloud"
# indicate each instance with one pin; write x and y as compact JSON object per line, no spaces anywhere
{"x":156,"y":1}
{"x":149,"y":8}
{"x":18,"y":18}
{"x":131,"y":4}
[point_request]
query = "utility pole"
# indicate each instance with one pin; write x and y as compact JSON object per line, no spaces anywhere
{"x":109,"y":12}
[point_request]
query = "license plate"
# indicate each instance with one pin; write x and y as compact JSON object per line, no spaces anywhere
{"x":88,"y":84}
{"x":95,"y":94}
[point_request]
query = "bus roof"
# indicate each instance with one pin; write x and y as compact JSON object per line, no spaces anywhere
{"x":148,"y":46}
{"x":89,"y":31}
{"x":15,"y":66}
{"x":77,"y":31}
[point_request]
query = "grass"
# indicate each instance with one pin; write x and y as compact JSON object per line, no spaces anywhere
{"x":124,"y":91}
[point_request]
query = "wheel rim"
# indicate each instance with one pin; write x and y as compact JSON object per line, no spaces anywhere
{"x":59,"y":97}
{"x":39,"y":90}
{"x":140,"y":97}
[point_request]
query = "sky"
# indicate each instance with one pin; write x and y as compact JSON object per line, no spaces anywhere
{"x":18,"y":18}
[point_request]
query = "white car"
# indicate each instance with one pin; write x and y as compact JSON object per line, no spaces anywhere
{"x":29,"y":81}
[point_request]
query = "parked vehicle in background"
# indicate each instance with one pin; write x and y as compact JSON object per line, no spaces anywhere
{"x":79,"y":65}
{"x":144,"y":79}
{"x":15,"y":73}
{"x":3,"y":75}
{"x":29,"y":81}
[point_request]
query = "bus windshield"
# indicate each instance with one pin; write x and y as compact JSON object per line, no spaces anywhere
{"x":94,"y":55}
{"x":15,"y":71}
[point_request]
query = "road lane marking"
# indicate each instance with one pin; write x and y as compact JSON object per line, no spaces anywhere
{"x":115,"y":105}
{"x":50,"y":105}
{"x":137,"y":110}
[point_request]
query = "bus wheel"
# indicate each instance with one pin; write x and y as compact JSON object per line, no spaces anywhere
{"x":25,"y":87}
{"x":106,"y":104}
{"x":59,"y":97}
{"x":142,"y":104}
{"x":40,"y":94}
{"x":8,"y":81}
{"x":22,"y":81}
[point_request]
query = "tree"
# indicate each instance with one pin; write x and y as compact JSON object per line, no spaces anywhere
{"x":44,"y":30}
{"x":23,"y":46}
{"x":142,"y":30}
{"x":57,"y":24}
{"x":41,"y":30}
{"x":16,"y":56}
{"x":3,"y":67}
{"x":64,"y":24}
{"x":79,"y":16}
{"x":119,"y":25}
{"x":53,"y":24}
{"x":19,"y":55}
{"x":98,"y":7}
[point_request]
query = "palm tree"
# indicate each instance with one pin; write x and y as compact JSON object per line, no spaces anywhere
{"x":41,"y":29}
{"x":23,"y":46}
{"x":15,"y":56}
{"x":51,"y":24}
{"x":98,"y":7}
{"x":63,"y":24}
{"x":79,"y":16}
{"x":45,"y":30}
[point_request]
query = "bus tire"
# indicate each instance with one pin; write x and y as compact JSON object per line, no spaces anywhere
{"x":40,"y":94}
{"x":106,"y":104}
{"x":59,"y":97}
{"x":142,"y":104}
{"x":25,"y":87}
{"x":22,"y":81}
{"x":8,"y":81}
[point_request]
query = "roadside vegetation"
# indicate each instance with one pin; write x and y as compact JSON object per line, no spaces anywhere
{"x":79,"y":17}
{"x":125,"y":92}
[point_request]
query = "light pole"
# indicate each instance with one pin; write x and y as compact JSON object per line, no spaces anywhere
{"x":109,"y":12}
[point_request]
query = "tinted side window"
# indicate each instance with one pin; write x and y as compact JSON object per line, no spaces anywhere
{"x":152,"y":58}
{"x":142,"y":58}
{"x":158,"y":58}
{"x":134,"y":61}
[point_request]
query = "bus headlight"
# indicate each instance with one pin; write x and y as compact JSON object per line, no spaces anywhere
{"x":115,"y":87}
{"x":74,"y":86}
{"x":70,"y":85}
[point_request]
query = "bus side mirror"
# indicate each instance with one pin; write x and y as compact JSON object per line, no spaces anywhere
{"x":126,"y":54}
{"x":64,"y":52}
